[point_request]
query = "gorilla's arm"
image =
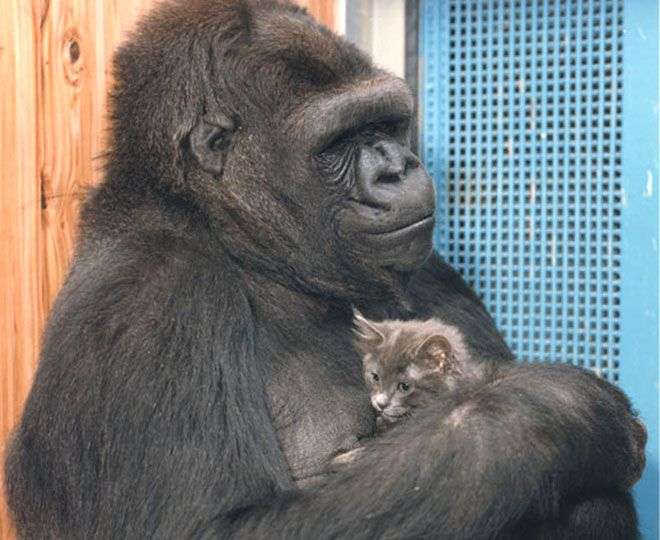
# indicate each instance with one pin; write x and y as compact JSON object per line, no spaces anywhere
{"x":480,"y":463}
{"x":148,"y":412}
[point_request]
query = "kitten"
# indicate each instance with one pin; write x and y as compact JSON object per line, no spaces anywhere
{"x":408,"y":363}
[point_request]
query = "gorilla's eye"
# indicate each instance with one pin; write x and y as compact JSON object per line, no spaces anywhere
{"x":394,"y":128}
{"x":382,"y":128}
{"x":403,"y":387}
{"x":375,"y":377}
{"x":333,"y":152}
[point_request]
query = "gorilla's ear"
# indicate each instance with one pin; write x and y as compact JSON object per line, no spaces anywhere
{"x":367,"y":331}
{"x":209,"y":141}
{"x":435,"y":350}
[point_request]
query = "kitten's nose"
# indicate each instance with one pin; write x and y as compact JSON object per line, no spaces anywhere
{"x":379,"y":401}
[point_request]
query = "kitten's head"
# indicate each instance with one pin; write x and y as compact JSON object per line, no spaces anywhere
{"x":405,"y":362}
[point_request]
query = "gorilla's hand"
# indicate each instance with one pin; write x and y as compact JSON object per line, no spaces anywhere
{"x":585,"y":424}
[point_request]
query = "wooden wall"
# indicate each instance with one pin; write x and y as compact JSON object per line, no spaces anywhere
{"x":322,"y":10}
{"x":54,"y":68}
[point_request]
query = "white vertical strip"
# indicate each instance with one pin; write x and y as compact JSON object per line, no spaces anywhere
{"x":388,"y":36}
{"x":340,"y":17}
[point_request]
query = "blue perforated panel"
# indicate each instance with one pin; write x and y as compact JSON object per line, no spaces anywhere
{"x":541,"y":132}
{"x":530,"y":211}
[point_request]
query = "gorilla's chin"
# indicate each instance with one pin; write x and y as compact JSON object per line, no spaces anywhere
{"x":404,"y":249}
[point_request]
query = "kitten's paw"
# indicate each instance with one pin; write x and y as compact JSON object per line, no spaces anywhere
{"x":347,"y":457}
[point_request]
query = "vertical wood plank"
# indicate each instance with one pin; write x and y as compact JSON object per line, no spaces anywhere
{"x":65,"y":114}
{"x":20,"y":234}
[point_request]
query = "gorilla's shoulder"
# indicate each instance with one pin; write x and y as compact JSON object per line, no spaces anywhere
{"x":155,"y":267}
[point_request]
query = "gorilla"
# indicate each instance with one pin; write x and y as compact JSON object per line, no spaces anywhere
{"x":197,"y":372}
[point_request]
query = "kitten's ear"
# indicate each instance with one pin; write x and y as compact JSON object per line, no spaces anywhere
{"x":436,"y":350}
{"x":367,"y":331}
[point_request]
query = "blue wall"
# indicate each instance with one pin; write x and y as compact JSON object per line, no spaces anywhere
{"x":640,"y":230}
{"x":540,"y":127}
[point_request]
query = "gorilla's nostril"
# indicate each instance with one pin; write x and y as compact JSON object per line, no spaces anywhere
{"x":412,"y":162}
{"x":389,"y":178}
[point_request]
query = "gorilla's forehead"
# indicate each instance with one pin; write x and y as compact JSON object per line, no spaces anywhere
{"x":303,"y":62}
{"x":308,"y":50}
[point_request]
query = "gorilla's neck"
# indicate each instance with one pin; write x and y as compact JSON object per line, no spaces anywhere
{"x":287,"y":307}
{"x":297,"y":312}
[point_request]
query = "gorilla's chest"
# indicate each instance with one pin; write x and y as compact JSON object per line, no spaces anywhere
{"x":319,"y":405}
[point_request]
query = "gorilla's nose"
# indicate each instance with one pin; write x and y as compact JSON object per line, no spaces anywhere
{"x":392,"y":186}
{"x":384,"y":171}
{"x":395,"y":161}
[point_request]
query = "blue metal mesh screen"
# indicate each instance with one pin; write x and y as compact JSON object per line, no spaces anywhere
{"x":522,"y":110}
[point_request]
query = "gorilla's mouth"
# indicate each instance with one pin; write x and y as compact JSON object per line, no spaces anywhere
{"x":402,"y":248}
{"x":410,"y":228}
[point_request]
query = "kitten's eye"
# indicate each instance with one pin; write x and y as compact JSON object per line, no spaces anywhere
{"x":375,"y":377}
{"x":403,"y":387}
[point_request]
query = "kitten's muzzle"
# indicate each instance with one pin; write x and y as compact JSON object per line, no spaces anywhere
{"x":380,"y":402}
{"x":394,"y":413}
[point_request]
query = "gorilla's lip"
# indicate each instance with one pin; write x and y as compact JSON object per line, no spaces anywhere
{"x":427,"y":220}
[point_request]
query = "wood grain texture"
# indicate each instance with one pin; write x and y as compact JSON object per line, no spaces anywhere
{"x":21,"y":315}
{"x":321,"y":10}
{"x":55,"y":72}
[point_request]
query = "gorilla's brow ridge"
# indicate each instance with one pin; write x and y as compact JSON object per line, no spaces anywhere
{"x":325,"y":118}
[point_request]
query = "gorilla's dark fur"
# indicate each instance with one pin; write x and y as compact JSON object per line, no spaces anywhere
{"x":198,"y":369}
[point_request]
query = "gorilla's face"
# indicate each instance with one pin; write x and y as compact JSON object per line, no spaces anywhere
{"x":329,"y":191}
{"x":309,"y":168}
{"x":384,"y":214}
